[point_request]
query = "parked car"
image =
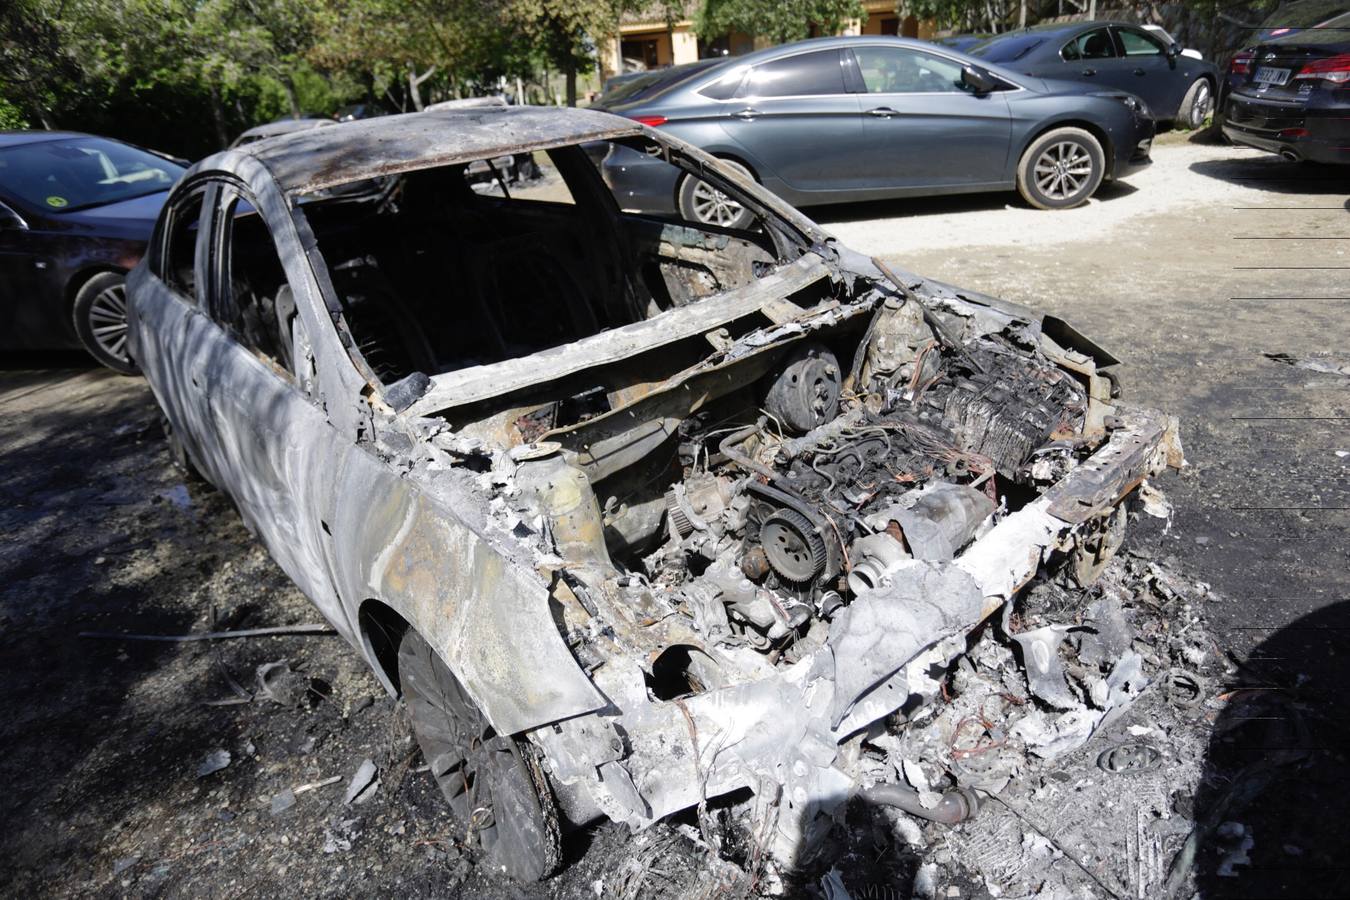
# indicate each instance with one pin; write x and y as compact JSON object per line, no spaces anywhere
{"x":75,"y":214}
{"x":280,"y":126}
{"x":1288,"y":93}
{"x":867,"y":118}
{"x":580,"y":483}
{"x":1177,"y":87}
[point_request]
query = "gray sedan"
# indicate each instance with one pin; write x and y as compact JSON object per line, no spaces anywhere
{"x":867,"y":118}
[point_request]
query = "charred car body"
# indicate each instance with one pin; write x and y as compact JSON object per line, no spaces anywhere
{"x":633,"y":512}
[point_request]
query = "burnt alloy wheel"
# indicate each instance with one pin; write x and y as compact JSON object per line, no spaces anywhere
{"x":701,"y":202}
{"x":497,"y":792}
{"x":1061,"y":169}
{"x":100,"y":318}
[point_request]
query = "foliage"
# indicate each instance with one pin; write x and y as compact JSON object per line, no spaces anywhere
{"x":778,"y":20}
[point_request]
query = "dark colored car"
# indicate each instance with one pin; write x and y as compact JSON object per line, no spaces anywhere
{"x":1179,"y":89}
{"x":869,"y":118}
{"x":1290,"y":93}
{"x":76,"y":212}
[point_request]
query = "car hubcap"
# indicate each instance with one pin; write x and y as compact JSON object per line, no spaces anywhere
{"x":714,"y":207}
{"x":1200,"y":111}
{"x":108,"y":321}
{"x":1063,"y":170}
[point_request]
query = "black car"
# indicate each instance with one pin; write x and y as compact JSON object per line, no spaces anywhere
{"x":1177,"y":88}
{"x":76,"y":212}
{"x":840,"y":119}
{"x":1290,"y":93}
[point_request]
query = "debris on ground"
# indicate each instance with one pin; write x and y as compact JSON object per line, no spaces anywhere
{"x":214,"y":762}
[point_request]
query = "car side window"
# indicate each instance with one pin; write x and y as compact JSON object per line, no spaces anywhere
{"x":803,"y":75}
{"x":1140,"y":43}
{"x":178,"y":254}
{"x":1094,"y":44}
{"x":254,"y":301}
{"x":900,"y":70}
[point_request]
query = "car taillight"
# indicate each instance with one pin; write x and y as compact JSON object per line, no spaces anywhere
{"x":1335,"y":69}
{"x":650,"y":121}
{"x":1242,"y":62}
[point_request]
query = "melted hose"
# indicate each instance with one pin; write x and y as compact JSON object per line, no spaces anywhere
{"x":955,"y":806}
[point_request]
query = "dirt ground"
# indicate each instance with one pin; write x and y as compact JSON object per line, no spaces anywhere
{"x":1189,"y":273}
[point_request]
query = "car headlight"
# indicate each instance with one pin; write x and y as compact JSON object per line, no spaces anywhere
{"x":1135,"y":105}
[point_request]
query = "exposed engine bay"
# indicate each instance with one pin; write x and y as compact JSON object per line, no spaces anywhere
{"x":897,"y":436}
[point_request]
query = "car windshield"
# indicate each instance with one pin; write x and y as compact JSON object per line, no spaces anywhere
{"x":649,"y":83}
{"x":77,"y":173}
{"x":1327,"y":31}
{"x":1306,"y":14}
{"x":1009,"y":47}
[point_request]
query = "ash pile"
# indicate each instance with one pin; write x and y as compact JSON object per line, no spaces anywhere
{"x":1060,"y":758}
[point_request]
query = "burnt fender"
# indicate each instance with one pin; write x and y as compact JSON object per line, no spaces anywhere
{"x":484,"y":612}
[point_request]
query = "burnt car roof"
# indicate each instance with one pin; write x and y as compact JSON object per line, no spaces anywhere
{"x":389,"y":145}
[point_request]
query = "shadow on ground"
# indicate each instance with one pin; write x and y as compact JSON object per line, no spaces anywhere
{"x":1273,"y":808}
{"x":1277,"y":176}
{"x":917,"y":207}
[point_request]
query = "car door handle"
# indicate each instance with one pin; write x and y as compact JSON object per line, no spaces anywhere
{"x":1089,"y":71}
{"x":746,"y":114}
{"x":1139,"y":71}
{"x":882,"y":112}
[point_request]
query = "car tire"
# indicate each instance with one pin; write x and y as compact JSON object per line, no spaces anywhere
{"x":494,"y":784}
{"x":701,"y":202}
{"x":100,"y":319}
{"x":1197,"y":105}
{"x":1061,"y":169}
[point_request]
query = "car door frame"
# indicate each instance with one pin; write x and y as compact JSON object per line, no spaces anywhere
{"x":283,"y":455}
{"x":1160,"y":90}
{"x":912,"y":105}
{"x":743,"y":105}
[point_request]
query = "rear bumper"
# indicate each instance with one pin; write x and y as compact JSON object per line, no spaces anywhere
{"x":1320,"y":134}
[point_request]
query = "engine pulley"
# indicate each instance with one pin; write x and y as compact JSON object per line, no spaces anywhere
{"x":794,"y":548}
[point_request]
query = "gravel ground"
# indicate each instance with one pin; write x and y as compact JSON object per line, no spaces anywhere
{"x":1185,"y":181}
{"x":102,"y":741}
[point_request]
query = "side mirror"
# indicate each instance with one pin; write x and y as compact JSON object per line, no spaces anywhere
{"x":10,"y":220}
{"x":1175,"y":50}
{"x":978,"y":80}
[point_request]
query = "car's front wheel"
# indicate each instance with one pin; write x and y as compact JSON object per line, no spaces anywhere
{"x":494,"y":784}
{"x":100,"y":314}
{"x":1196,"y":105}
{"x":1061,"y":169}
{"x":701,"y":202}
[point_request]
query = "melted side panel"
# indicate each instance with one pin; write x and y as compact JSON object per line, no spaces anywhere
{"x":484,"y":611}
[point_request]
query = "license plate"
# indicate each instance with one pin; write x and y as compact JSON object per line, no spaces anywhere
{"x":1270,"y":75}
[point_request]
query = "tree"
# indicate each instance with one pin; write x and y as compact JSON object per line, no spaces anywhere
{"x":564,"y":32}
{"x":778,"y":20}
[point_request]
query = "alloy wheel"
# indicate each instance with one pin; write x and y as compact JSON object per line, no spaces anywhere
{"x":1200,"y":109}
{"x":1062,"y":170}
{"x":713,"y":207}
{"x":108,"y":321}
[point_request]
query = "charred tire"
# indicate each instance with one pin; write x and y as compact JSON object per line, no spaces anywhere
{"x":703,"y":203}
{"x":493,"y":783}
{"x":1196,"y":105}
{"x":100,"y":318}
{"x":1061,"y":169}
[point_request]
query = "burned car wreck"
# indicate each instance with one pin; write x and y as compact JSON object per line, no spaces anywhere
{"x":635,"y":513}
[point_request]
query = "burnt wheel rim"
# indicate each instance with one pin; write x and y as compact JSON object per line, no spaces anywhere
{"x":108,"y":321}
{"x":1063,"y":170}
{"x":496,"y":790}
{"x":714,"y":207}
